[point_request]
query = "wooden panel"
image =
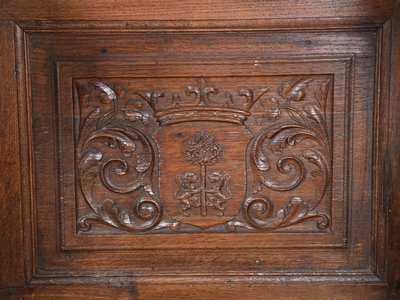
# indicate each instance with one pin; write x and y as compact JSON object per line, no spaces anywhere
{"x":265,"y":112}
{"x":245,"y":150}
{"x":280,"y":180}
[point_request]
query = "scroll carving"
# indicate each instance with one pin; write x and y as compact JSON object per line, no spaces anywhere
{"x":256,"y":158}
{"x":306,"y":124}
{"x":117,"y":158}
{"x":257,"y":213}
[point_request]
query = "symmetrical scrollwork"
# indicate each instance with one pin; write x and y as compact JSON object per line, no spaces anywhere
{"x":308,"y":124}
{"x":118,"y":158}
{"x":203,"y":150}
{"x":288,"y":161}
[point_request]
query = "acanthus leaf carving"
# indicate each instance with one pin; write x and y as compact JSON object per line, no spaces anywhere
{"x":116,"y":153}
{"x":125,"y":172}
{"x":308,"y":125}
{"x":293,"y":90}
{"x":257,"y":212}
{"x":147,"y":212}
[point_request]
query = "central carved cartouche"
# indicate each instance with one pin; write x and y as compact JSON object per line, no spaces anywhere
{"x":192,"y":190}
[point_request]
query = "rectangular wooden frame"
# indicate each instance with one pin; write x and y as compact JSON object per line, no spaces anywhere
{"x":17,"y":204}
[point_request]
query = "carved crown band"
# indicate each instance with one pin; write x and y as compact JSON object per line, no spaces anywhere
{"x":202,"y":107}
{"x":179,"y":115}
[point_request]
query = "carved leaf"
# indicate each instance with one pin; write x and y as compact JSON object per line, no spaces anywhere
{"x":106,"y":96}
{"x":92,"y":118}
{"x":296,"y":115}
{"x":322,"y":95}
{"x":257,"y":212}
{"x":119,"y":92}
{"x":293,"y":212}
{"x":89,"y":160}
{"x":314,"y":113}
{"x":320,"y":177}
{"x":133,"y":113}
{"x":293,"y":90}
{"x":146,"y":214}
{"x":282,"y":135}
{"x":106,"y":118}
{"x":272,"y":109}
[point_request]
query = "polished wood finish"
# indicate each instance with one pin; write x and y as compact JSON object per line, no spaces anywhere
{"x":221,"y":149}
{"x":192,"y":11}
{"x":10,"y":188}
{"x":391,"y":160}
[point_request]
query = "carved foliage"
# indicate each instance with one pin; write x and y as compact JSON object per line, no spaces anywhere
{"x":308,"y":124}
{"x":271,"y":111}
{"x":116,"y":159}
{"x":257,"y":212}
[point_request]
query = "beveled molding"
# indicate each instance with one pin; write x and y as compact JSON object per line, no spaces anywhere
{"x":359,"y":278}
{"x":110,"y":105}
{"x":201,"y":100}
{"x":186,"y":26}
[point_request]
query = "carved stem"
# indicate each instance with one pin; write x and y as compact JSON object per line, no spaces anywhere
{"x":203,"y":207}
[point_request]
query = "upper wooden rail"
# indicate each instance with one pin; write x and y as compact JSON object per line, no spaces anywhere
{"x":140,"y":10}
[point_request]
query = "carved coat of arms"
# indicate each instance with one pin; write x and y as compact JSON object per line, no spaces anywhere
{"x":203,"y":159}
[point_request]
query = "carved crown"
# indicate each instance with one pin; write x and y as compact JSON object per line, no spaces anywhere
{"x":202,"y":107}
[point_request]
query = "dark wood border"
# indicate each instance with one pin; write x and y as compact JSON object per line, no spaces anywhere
{"x":391,"y":178}
{"x":11,"y":234}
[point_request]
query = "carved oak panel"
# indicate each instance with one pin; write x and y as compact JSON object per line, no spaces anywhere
{"x":208,"y":148}
{"x":205,"y":154}
{"x":144,"y":158}
{"x":256,"y":158}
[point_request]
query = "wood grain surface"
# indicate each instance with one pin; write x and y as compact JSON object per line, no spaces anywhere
{"x":199,"y":150}
{"x":10,"y":186}
{"x":192,"y":10}
{"x":392,"y":193}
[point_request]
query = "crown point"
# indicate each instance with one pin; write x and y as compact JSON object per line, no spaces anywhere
{"x":201,"y":108}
